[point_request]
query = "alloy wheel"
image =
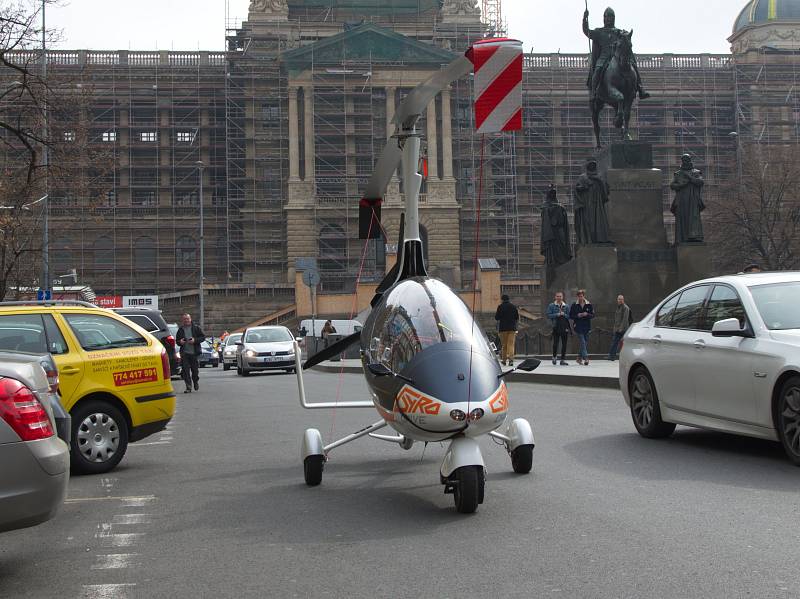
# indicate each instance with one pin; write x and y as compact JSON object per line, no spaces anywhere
{"x":642,"y":400}
{"x":791,"y":419}
{"x":98,"y":437}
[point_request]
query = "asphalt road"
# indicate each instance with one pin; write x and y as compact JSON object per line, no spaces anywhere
{"x":216,"y":507}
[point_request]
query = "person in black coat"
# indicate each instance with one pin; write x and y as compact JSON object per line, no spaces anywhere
{"x":189,"y":338}
{"x":507,"y":317}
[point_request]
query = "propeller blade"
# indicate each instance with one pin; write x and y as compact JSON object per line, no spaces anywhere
{"x":332,"y":350}
{"x":391,"y":277}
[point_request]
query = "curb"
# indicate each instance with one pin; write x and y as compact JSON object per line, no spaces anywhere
{"x":594,"y":382}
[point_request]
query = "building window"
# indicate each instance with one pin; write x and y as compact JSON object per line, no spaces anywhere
{"x":186,"y":252}
{"x":103,"y":252}
{"x":149,"y":136}
{"x":186,"y":137}
{"x":109,"y":136}
{"x":69,"y":136}
{"x":144,"y":198}
{"x":111,"y":198}
{"x":144,"y":255}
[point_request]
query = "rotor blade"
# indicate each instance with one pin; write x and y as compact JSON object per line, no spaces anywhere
{"x":332,"y":350}
{"x":419,"y":98}
{"x":384,"y":169}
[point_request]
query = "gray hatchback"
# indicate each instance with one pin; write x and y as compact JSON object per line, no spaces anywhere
{"x":34,"y":462}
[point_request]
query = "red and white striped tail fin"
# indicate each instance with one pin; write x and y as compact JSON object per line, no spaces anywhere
{"x":497,"y":65}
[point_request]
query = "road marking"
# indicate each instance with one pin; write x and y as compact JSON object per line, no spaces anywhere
{"x":131,"y":519}
{"x":151,"y":443}
{"x":107,"y":591}
{"x":133,"y":499}
{"x":119,"y":539}
{"x":114,"y":561}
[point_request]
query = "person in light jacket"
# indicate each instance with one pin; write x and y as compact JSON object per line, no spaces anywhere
{"x":558,"y":315}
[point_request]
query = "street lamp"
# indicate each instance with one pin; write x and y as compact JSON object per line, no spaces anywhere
{"x":200,"y":167}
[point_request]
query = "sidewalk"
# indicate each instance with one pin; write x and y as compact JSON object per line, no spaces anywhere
{"x":599,"y":374}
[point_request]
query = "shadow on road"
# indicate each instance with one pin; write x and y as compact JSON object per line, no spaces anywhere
{"x":692,"y":455}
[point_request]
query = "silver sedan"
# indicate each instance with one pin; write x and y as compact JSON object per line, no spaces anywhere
{"x":721,"y":354}
{"x":34,"y":462}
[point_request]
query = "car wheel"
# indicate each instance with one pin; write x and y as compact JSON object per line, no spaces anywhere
{"x":645,"y":409}
{"x":789,"y":418}
{"x":99,"y":437}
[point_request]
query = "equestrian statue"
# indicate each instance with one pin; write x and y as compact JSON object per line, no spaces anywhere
{"x":614,"y":78}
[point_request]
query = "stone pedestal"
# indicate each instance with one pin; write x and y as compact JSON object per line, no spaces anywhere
{"x":597,"y":270}
{"x":694,"y":262}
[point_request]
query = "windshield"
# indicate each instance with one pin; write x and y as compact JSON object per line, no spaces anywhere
{"x":774,"y":303}
{"x":421,"y":313}
{"x":233,"y":339}
{"x":268,"y":336}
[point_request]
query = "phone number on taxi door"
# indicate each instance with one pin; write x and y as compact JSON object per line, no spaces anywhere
{"x":134,"y":377}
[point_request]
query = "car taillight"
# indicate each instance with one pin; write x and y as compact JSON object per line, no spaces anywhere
{"x":170,"y":341}
{"x":23,"y":412}
{"x":52,"y":375}
{"x":165,"y":365}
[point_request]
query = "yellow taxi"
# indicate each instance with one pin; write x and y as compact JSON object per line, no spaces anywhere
{"x":114,"y":377}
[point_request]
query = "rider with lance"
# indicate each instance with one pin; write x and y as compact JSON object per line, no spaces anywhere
{"x":603,"y":40}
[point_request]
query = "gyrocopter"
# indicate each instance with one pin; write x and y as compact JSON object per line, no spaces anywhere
{"x":432,"y":373}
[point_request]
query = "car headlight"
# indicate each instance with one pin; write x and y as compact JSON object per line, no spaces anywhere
{"x":250,"y":353}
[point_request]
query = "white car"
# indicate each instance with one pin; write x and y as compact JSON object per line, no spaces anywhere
{"x":721,"y":354}
{"x":265,"y":348}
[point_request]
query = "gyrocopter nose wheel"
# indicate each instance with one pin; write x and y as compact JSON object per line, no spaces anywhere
{"x":468,"y":489}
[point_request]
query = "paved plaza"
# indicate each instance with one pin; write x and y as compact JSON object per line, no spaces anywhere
{"x":216,"y":507}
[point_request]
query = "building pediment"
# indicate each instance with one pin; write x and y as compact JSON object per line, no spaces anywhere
{"x":367,"y":42}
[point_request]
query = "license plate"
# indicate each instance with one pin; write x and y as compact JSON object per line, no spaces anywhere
{"x":273,"y":359}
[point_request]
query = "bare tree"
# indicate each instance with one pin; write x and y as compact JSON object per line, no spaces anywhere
{"x":756,"y":218}
{"x":38,"y":114}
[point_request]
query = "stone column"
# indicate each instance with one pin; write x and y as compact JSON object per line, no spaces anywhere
{"x":433,"y":142}
{"x":447,"y":137}
{"x":308,"y":118}
{"x":294,"y":146}
{"x":390,"y":96}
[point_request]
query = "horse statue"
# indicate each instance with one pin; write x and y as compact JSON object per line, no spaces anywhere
{"x":617,"y":87}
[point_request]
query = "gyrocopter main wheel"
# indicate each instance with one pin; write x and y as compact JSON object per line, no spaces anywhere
{"x":312,"y":469}
{"x":522,"y":459}
{"x":468,"y":491}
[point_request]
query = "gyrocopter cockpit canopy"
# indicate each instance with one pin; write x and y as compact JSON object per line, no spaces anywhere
{"x":415,"y":315}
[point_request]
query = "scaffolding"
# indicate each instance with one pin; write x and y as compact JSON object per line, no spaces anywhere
{"x":156,"y":114}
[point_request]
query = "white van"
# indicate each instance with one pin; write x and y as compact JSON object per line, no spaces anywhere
{"x":313,"y":327}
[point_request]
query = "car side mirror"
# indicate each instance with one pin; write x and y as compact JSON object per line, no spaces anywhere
{"x":730,"y":328}
{"x":529,"y":365}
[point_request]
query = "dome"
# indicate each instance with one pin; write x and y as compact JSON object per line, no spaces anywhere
{"x":762,"y":12}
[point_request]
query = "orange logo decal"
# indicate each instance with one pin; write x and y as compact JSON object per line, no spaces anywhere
{"x":410,"y":401}
{"x":499,"y":401}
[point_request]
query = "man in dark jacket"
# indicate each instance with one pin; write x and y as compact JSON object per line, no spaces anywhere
{"x":507,"y":317}
{"x":189,"y":338}
{"x":580,"y":314}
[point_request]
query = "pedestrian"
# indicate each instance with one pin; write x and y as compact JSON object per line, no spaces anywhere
{"x":189,"y":338}
{"x":507,"y":317}
{"x":622,"y":320}
{"x":558,"y":314}
{"x":581,"y":313}
{"x":327,"y":330}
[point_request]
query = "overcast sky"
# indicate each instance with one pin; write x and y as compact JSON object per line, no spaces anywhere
{"x":678,"y":26}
